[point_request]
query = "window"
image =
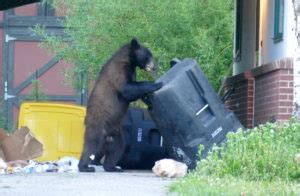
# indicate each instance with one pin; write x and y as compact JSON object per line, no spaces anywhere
{"x":238,"y":30}
{"x":278,"y":20}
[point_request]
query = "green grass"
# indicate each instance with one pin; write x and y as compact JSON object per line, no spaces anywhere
{"x":253,"y":162}
{"x":208,"y":185}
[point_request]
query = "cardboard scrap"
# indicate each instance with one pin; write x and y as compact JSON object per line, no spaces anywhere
{"x":21,"y":145}
{"x":2,"y":136}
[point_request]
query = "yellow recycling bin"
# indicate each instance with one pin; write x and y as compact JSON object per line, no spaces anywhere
{"x":59,"y":127}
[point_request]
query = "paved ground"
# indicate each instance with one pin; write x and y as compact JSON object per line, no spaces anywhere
{"x":129,"y":183}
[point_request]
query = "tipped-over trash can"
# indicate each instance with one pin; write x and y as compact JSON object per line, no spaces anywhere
{"x":188,"y":112}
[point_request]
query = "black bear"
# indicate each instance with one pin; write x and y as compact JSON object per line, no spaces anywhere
{"x":108,"y":103}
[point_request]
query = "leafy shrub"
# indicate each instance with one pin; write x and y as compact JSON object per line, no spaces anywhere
{"x":254,"y":162}
{"x":264,"y":153}
{"x":36,"y":93}
{"x":197,"y":29}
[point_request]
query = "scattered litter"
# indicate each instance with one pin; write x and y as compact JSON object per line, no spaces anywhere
{"x":36,"y":167}
{"x":68,"y":164}
{"x":169,"y":168}
{"x":2,"y":171}
{"x":65,"y":164}
{"x":3,"y":165}
{"x":17,"y":163}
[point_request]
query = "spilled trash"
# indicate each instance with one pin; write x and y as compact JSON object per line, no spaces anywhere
{"x":65,"y":164}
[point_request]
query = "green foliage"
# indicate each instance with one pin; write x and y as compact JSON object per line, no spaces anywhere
{"x":229,"y":186}
{"x":36,"y":93}
{"x":199,"y":29}
{"x":263,"y":153}
{"x":260,"y":161}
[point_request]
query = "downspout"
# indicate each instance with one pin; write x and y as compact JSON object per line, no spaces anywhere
{"x":296,"y":62}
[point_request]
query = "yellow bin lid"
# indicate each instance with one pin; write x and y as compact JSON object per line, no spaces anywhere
{"x":59,"y":127}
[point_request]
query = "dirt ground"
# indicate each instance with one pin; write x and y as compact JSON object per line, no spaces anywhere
{"x":101,"y":183}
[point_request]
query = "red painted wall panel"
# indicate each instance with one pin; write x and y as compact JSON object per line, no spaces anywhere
{"x":54,"y":81}
{"x":27,"y":10}
{"x":28,"y":58}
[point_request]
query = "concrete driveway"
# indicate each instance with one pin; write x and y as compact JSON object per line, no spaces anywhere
{"x":101,"y":183}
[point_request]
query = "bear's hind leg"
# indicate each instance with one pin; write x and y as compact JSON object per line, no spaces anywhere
{"x":91,"y":147}
{"x":97,"y":159}
{"x":114,"y":149}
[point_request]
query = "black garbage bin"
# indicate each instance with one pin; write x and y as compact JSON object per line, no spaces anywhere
{"x":188,"y":112}
{"x":144,"y":143}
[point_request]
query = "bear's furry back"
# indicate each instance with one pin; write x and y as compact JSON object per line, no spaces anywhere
{"x":105,"y":104}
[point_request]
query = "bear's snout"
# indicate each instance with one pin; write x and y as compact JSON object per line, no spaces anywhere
{"x":150,"y":67}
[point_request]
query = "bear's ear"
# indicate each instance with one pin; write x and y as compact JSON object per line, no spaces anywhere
{"x":135,"y":44}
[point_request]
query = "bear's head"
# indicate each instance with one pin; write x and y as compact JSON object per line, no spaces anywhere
{"x":141,"y":56}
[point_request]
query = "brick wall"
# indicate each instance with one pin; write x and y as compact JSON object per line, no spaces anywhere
{"x":263,"y":94}
{"x":241,"y":101}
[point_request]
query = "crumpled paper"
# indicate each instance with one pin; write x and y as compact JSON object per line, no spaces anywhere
{"x":169,"y":168}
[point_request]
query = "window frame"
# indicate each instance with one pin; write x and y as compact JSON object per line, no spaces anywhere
{"x":238,"y":30}
{"x":278,"y":21}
